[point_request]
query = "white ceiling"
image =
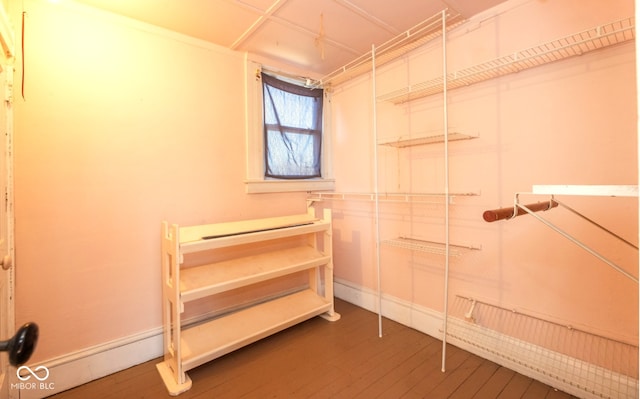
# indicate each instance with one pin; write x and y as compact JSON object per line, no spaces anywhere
{"x":318,"y":36}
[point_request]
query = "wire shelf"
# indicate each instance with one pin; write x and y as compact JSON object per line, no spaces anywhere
{"x":569,"y":46}
{"x":402,"y":142}
{"x":579,"y":362}
{"x":431,"y":247}
{"x":426,"y":198}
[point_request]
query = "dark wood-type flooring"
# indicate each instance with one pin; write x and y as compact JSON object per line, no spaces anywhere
{"x":320,"y":359}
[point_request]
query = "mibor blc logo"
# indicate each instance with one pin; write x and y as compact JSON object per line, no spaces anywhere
{"x":33,"y":378}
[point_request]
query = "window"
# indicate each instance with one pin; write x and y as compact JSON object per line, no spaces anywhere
{"x":292,"y":118}
{"x":286,"y":150}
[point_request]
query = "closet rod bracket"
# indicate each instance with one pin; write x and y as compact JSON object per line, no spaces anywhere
{"x":578,"y":242}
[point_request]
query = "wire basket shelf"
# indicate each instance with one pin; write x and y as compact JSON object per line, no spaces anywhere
{"x":414,"y":198}
{"x":579,"y":362}
{"x":430,"y":247}
{"x":596,"y":38}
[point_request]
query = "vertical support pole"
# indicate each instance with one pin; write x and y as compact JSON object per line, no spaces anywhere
{"x":313,"y":240}
{"x":171,"y":371}
{"x":171,"y":257}
{"x":376,"y":189}
{"x":328,"y":269}
{"x":637,"y":44}
{"x":446,"y":189}
{"x":167,"y":311}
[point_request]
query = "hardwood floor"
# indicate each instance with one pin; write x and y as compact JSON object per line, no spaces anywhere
{"x":345,"y":359}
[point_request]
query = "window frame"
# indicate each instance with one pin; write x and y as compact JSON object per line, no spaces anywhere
{"x":255,"y":181}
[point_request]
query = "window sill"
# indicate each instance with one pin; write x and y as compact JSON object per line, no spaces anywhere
{"x":282,"y":186}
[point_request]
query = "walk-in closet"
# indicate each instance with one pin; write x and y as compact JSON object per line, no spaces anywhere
{"x":420,"y":198}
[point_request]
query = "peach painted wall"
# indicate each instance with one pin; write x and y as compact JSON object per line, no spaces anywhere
{"x":122,"y":126}
{"x":571,"y":122}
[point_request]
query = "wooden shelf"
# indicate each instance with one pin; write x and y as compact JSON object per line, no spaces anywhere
{"x":186,"y":347}
{"x":196,"y":233}
{"x":601,"y":36}
{"x":431,"y":247}
{"x":220,"y":336}
{"x":200,"y":281}
{"x":402,"y":142}
{"x":202,"y":238}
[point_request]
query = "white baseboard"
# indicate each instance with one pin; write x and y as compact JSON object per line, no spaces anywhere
{"x":74,"y":369}
{"x":420,"y":318}
{"x":574,"y":376}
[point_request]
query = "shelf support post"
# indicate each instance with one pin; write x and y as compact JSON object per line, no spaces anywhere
{"x":327,"y":244}
{"x":376,"y":188}
{"x":170,"y":369}
{"x":446,"y":188}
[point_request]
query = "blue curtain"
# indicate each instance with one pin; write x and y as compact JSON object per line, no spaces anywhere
{"x":292,"y":129}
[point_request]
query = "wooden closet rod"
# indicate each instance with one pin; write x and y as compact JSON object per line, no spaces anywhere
{"x":511,"y":212}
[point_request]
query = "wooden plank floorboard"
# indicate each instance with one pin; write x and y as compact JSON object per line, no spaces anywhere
{"x":476,"y":379}
{"x":299,"y":370}
{"x":291,"y":358}
{"x":364,"y":360}
{"x":258,"y":356}
{"x":430,"y":375}
{"x":468,"y":388}
{"x":454,"y":378}
{"x":495,"y":384}
{"x":516,"y":387}
{"x":363,"y":351}
{"x":343,"y":359}
{"x":536,"y":390}
{"x":397,"y":378}
{"x":398,"y":350}
{"x":276,"y":370}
